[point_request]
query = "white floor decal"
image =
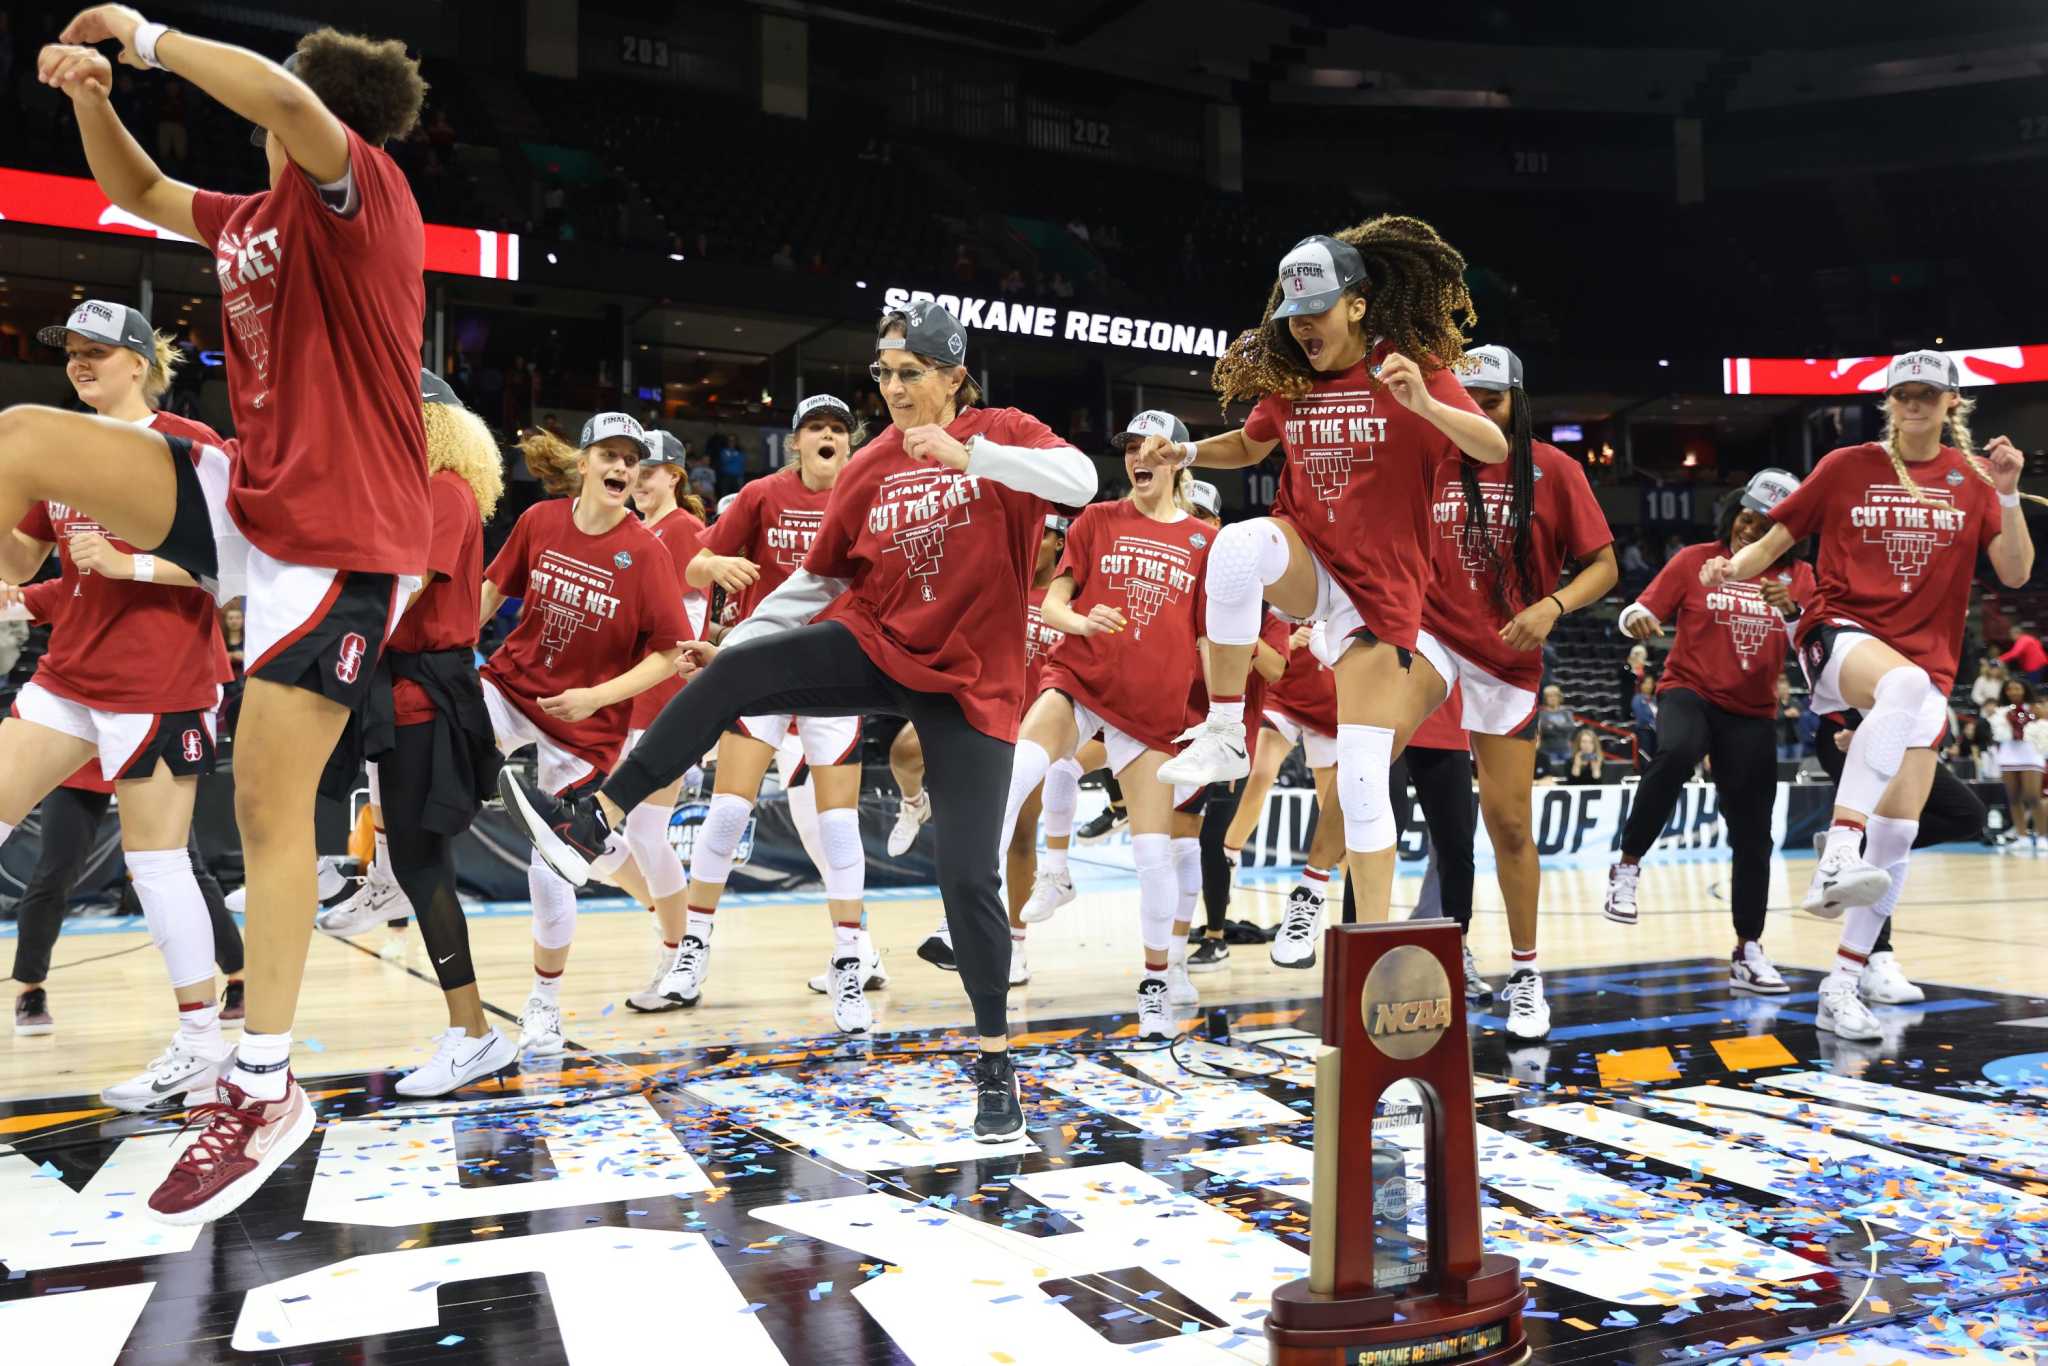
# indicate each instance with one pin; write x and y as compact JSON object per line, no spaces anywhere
{"x":83,"y":1328}
{"x":49,"y":1225}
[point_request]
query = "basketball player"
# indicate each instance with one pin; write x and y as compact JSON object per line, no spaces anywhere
{"x":151,"y":728}
{"x":920,"y":570}
{"x":750,"y":551}
{"x":601,"y":622}
{"x":1348,"y":372}
{"x":1901,"y":521}
{"x":1718,"y":699}
{"x":1132,"y":571}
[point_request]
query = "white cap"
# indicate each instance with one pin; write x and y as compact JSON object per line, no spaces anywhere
{"x":725,"y":503}
{"x":1203,"y":495}
{"x":1151,"y":422}
{"x":616,"y":424}
{"x":1931,"y":368}
{"x":1490,"y":367}
{"x":1768,"y":488}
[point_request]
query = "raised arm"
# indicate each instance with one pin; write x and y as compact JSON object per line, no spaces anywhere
{"x":252,"y":86}
{"x":124,"y":172}
{"x":1227,"y":451}
{"x":2012,"y":549}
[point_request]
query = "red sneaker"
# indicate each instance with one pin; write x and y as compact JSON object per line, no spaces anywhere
{"x":244,"y":1141}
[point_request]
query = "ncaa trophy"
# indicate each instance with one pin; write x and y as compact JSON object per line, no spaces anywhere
{"x":1391,"y":1012}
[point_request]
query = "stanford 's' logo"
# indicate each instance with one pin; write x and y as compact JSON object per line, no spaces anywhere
{"x":348,"y":665}
{"x":193,"y":747}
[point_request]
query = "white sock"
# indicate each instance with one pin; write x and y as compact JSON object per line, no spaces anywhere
{"x":698,"y":924}
{"x":380,"y":865}
{"x":846,"y":940}
{"x":1316,"y":882}
{"x":199,"y":1028}
{"x":1843,"y":837}
{"x":263,"y":1050}
{"x":1227,"y":711}
{"x":1525,"y":959}
{"x":1054,"y":861}
{"x":1177,"y":952}
{"x":549,"y":989}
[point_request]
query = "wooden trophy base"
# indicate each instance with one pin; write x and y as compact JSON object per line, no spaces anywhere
{"x":1481,"y":1328}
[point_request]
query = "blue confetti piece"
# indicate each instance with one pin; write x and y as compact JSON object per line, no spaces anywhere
{"x":314,"y":1046}
{"x":287,"y":1237}
{"x":48,"y":1170}
{"x":451,"y":1340}
{"x":754,"y":1308}
{"x":266,"y":1336}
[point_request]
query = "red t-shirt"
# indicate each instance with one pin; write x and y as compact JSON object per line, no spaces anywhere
{"x":1889,"y":564}
{"x":1730,"y":646}
{"x":1137,"y":679}
{"x":322,"y":316}
{"x":594,"y":607}
{"x":1356,"y":485}
{"x":1443,"y":728}
{"x":2026,"y":654}
{"x":1569,"y":527}
{"x":939,"y":565}
{"x":1039,"y":639}
{"x":1307,"y":693}
{"x":443,"y":617}
{"x":121,"y":646}
{"x":773,"y":523}
{"x":679,"y":534}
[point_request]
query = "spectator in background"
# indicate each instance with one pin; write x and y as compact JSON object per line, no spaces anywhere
{"x":2024,"y":658}
{"x":1062,"y":287}
{"x":963,"y":264}
{"x":1633,"y":672}
{"x":173,"y":145}
{"x":1078,"y":228}
{"x":1791,"y":722}
{"x":1643,"y":712}
{"x":1013,"y":281}
{"x":1635,"y":560}
{"x":732,"y":467}
{"x":1554,"y":727}
{"x":188,"y":381}
{"x":817,"y":265}
{"x":703,"y":479}
{"x":552,"y":425}
{"x":784,"y":257}
{"x":1588,"y":764}
{"x":1989,"y":685}
{"x":516,"y":403}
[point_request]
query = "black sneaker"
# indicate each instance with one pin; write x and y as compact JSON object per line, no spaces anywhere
{"x":231,"y":1003}
{"x":998,"y":1115}
{"x":1209,"y":955}
{"x":571,"y":834}
{"x":1104,"y":824}
{"x":32,"y":1013}
{"x":938,"y":951}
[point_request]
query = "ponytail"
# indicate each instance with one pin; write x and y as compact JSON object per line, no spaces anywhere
{"x":552,"y":461}
{"x":1520,"y":511}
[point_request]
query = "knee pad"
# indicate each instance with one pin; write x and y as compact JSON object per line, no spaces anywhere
{"x":647,"y":837}
{"x":175,"y":912}
{"x":554,"y":906}
{"x":1187,"y":872}
{"x":718,"y":837}
{"x":1364,"y":754}
{"x":846,"y":862}
{"x":1896,"y":715}
{"x":1061,"y":795}
{"x":1246,"y":557}
{"x":1887,"y":841}
{"x":803,"y":814}
{"x":1028,"y":765}
{"x":1158,"y":890}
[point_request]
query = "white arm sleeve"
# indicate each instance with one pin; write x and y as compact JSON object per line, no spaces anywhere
{"x":1058,"y":474}
{"x":800,"y":598}
{"x":1635,"y":609}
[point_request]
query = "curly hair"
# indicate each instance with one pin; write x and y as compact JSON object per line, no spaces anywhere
{"x":552,"y":461}
{"x":367,"y":83}
{"x":458,"y":440}
{"x":1414,"y":294}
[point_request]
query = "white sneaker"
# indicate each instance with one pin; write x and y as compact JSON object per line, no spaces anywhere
{"x":1750,"y":970}
{"x":1180,"y":988}
{"x":1884,"y":983}
{"x":850,"y":1010}
{"x":540,"y":1026}
{"x":1621,"y":893}
{"x":399,"y":944}
{"x":375,"y":902}
{"x":1841,"y":1011}
{"x":649,"y":1000}
{"x":683,"y":984}
{"x":1049,"y":892}
{"x":1020,"y":964}
{"x":876,"y":978}
{"x":911,"y":814}
{"x":162,"y":1085}
{"x":1844,"y":879}
{"x":1477,"y":988}
{"x":1528,"y":1012}
{"x":1155,"y":1012}
{"x":1212,"y":752}
{"x":459,"y":1060}
{"x":1301,"y":925}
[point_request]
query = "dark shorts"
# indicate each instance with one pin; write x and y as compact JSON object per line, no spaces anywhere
{"x":183,"y":740}
{"x":335,"y":647}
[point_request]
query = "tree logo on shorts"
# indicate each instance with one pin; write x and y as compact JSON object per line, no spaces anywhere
{"x":349,"y":664}
{"x":194,"y":748}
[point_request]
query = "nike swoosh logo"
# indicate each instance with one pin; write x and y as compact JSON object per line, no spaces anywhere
{"x":444,"y":959}
{"x":265,"y":1138}
{"x":485,"y":1048}
{"x":182,"y":1083}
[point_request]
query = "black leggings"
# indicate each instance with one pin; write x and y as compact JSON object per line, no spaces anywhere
{"x":423,"y":863}
{"x":1216,"y":865}
{"x":1952,"y":811}
{"x":70,"y":823}
{"x":821,"y":670}
{"x":1443,"y":788}
{"x":1744,"y":750}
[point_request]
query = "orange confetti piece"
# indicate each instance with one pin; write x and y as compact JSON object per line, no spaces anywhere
{"x":1748,"y":1055}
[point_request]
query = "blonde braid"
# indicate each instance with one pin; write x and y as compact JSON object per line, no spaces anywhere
{"x":1957,"y":432}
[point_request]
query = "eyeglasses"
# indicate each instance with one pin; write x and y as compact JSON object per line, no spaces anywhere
{"x":907,"y":374}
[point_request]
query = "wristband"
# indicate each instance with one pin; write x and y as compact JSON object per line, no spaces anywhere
{"x":2009,"y":500}
{"x":1188,"y":453}
{"x":1560,"y":604}
{"x":145,"y":569}
{"x":147,"y":36}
